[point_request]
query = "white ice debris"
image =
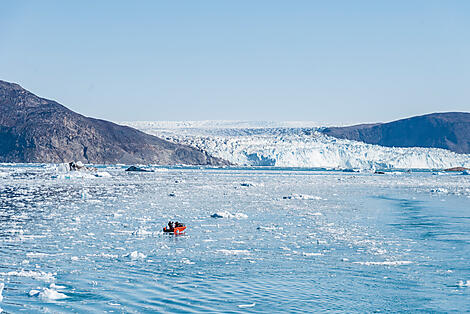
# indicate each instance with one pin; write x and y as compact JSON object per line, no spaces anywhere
{"x":2,"y":285}
{"x":301,"y":197}
{"x":233,"y":252}
{"x":103,"y":174}
{"x":440,"y":190}
{"x":187,"y":261}
{"x":242,"y":306}
{"x":38,"y":275}
{"x":464,"y":283}
{"x":226,"y":214}
{"x":278,"y":145}
{"x":135,"y":255}
{"x":311,"y":254}
{"x":142,"y":232}
{"x":47,"y":294}
{"x":385,"y":263}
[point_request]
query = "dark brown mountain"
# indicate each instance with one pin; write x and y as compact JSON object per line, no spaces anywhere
{"x":34,"y":129}
{"x":450,"y":130}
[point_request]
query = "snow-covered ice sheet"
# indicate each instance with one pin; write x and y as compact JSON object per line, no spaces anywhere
{"x":295,"y":145}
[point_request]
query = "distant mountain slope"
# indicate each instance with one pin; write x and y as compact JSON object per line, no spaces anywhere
{"x":34,"y":129}
{"x":449,"y":130}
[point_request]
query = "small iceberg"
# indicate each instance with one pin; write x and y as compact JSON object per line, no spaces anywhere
{"x":102,"y":174}
{"x":2,"y":285}
{"x":463,"y":283}
{"x":138,"y":169}
{"x":295,"y":196}
{"x":135,"y":255}
{"x":47,"y":294}
{"x":242,"y":306}
{"x":226,"y":214}
{"x":234,"y":252}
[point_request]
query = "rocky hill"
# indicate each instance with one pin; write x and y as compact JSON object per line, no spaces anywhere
{"x":449,"y":130}
{"x":34,"y":129}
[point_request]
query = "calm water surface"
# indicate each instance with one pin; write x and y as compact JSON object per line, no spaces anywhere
{"x":289,"y":241}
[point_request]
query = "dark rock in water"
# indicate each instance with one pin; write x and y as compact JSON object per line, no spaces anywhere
{"x":379,"y":172}
{"x":34,"y":129}
{"x":79,"y":166}
{"x":450,"y":130}
{"x":216,"y":216}
{"x":457,"y":169}
{"x":137,"y":169}
{"x":172,"y":194}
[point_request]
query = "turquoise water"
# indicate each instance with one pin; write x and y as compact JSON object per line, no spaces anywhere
{"x":289,"y":241}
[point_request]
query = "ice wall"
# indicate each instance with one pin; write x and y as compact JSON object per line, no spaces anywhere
{"x":259,"y":144}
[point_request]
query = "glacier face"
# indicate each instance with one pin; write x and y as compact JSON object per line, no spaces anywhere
{"x":295,"y":144}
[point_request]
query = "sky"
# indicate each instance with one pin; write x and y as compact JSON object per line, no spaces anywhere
{"x":334,"y":62}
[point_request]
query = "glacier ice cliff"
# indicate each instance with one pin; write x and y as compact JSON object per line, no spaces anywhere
{"x":295,"y":145}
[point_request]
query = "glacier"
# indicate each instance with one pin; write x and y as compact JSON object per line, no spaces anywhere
{"x":294,"y":144}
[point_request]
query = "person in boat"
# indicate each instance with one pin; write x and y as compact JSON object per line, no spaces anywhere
{"x":177,"y":224}
{"x":170,"y":226}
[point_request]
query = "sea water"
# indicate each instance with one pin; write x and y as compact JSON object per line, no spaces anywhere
{"x":284,"y":241}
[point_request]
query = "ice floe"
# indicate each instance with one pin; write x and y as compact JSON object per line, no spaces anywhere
{"x":2,"y":285}
{"x":135,"y":255}
{"x":38,"y":275}
{"x":242,"y":306}
{"x":47,"y":294}
{"x":295,"y":196}
{"x":226,"y":214}
{"x":462,"y":283}
{"x":234,"y":252}
{"x":385,"y":263}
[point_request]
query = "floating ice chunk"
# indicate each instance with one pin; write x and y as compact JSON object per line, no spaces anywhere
{"x":142,"y":232}
{"x":240,"y":216}
{"x":136,"y":255}
{"x":2,"y":285}
{"x":62,"y":168}
{"x":54,"y":286}
{"x":36,"y":254}
{"x":38,"y":275}
{"x":315,"y":214}
{"x":234,"y":252}
{"x":385,"y":263}
{"x":311,"y":254}
{"x":186,"y":261}
{"x":226,"y":214}
{"x":439,"y":190}
{"x":269,"y":228}
{"x":51,"y":294}
{"x":463,"y":283}
{"x":301,"y":197}
{"x":105,"y":255}
{"x":103,"y":174}
{"x":242,"y":306}
{"x":47,"y":294}
{"x":84,"y":194}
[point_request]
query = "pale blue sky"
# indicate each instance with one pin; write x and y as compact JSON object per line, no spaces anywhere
{"x":328,"y":61}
